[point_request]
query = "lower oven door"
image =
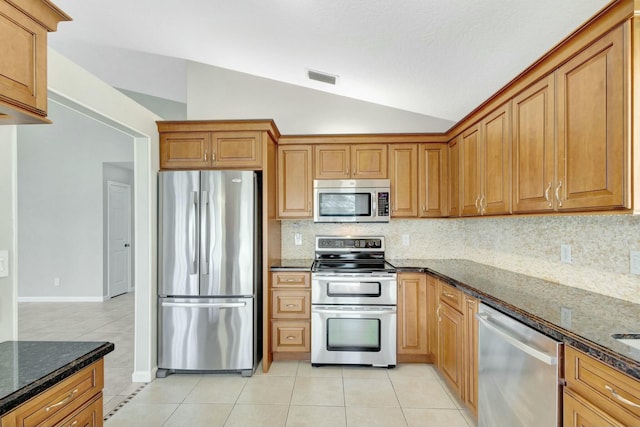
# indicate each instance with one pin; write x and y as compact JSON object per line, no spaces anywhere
{"x":353,"y":335}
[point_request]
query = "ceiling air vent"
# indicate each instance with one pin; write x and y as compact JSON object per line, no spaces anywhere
{"x":322,"y":77}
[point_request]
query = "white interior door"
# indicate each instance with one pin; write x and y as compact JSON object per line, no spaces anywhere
{"x":119,"y":235}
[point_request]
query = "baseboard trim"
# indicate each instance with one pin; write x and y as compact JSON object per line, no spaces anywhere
{"x":144,"y":376}
{"x":63,"y":299}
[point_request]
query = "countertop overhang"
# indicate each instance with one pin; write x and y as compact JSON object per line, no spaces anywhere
{"x":27,"y":368}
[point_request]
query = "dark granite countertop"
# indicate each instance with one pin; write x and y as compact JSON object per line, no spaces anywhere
{"x":27,"y":368}
{"x":293,"y":265}
{"x":583,"y":319}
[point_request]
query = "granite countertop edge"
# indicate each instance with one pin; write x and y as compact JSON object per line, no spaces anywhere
{"x":595,"y":350}
{"x":15,"y":399}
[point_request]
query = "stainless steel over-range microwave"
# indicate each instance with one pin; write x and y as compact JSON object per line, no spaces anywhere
{"x":351,"y":200}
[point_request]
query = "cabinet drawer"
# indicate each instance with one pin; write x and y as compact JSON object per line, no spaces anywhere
{"x":603,"y":386}
{"x":299,"y":279}
{"x":578,"y":412}
{"x":56,"y":403}
{"x":451,"y":296}
{"x":291,"y":304}
{"x":90,"y":415}
{"x":294,"y":336}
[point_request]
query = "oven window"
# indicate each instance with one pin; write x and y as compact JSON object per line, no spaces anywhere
{"x":344,"y":204}
{"x":353,"y":334}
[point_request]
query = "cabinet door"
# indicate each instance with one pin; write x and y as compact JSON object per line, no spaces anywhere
{"x":185,"y":150}
{"x":432,"y":317}
{"x":412,"y":314}
{"x":495,"y":156}
{"x":533,"y":147}
{"x":369,"y":161}
{"x":295,"y":184}
{"x":332,"y":161}
{"x":23,"y":63}
{"x":433,"y":200}
{"x":591,"y":103}
{"x":236,"y":150}
{"x":450,"y":347}
{"x":454,"y":177}
{"x":470,"y":171}
{"x":403,"y":168}
{"x":471,"y":353}
{"x":578,"y":412}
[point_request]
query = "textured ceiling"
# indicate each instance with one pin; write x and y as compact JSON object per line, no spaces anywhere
{"x":439,"y":58}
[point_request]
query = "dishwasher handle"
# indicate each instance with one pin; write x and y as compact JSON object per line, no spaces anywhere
{"x":514,"y":341}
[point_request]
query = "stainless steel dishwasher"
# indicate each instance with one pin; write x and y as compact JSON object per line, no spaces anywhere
{"x":518,"y":373}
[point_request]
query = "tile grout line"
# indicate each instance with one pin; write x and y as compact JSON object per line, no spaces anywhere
{"x":124,"y":402}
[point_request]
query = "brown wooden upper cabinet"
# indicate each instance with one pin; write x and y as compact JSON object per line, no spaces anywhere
{"x":418,"y":174}
{"x":454,"y":176}
{"x":295,"y":184}
{"x":485,"y":174}
{"x":580,"y":163}
{"x":350,"y":161}
{"x":433,"y":194}
{"x":202,"y":150}
{"x":24,"y":25}
{"x":403,"y":171}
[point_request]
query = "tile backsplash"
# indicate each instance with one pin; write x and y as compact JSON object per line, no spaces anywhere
{"x":600,"y":245}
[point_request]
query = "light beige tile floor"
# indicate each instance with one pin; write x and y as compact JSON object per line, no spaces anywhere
{"x":111,"y":321}
{"x":292,"y":394}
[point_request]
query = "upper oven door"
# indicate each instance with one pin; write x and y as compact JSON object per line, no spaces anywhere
{"x":345,"y":288}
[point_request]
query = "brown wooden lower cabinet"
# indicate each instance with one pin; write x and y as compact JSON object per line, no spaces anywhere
{"x":456,"y":333}
{"x":76,"y":398}
{"x":597,"y":394}
{"x":290,"y":315}
{"x":412,"y":335}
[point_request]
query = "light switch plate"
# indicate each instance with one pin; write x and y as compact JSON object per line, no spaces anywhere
{"x":565,"y":254}
{"x":297,"y":239}
{"x":635,"y":262}
{"x":4,"y":263}
{"x":406,"y":240}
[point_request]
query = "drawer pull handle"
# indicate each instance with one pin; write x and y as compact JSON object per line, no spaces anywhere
{"x":291,"y":280}
{"x":73,"y":423}
{"x":63,"y":401}
{"x":620,"y":398}
{"x":291,"y":338}
{"x":448,"y":295}
{"x":292,"y":305}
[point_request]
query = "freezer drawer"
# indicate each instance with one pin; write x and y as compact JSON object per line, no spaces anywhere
{"x":206,"y":334}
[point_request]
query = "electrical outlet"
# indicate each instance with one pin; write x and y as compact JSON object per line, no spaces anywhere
{"x":4,"y":263}
{"x":635,"y":262}
{"x":56,"y":281}
{"x":297,"y":239}
{"x":565,"y":317}
{"x":565,"y":254}
{"x":406,"y":240}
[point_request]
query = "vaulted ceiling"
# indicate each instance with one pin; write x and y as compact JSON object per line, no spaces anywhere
{"x":439,"y":58}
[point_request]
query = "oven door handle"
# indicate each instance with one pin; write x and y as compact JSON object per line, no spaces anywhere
{"x":382,"y":310}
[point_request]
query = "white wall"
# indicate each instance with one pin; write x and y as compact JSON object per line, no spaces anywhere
{"x":60,"y":204}
{"x":75,"y":86}
{"x":218,"y":93}
{"x":124,"y":175}
{"x":8,"y":224}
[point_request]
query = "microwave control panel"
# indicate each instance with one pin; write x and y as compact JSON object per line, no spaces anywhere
{"x":383,"y":204}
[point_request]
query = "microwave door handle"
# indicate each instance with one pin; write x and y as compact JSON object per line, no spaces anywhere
{"x":374,"y":204}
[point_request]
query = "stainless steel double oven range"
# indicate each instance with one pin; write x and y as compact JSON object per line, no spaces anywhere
{"x":353,"y":303}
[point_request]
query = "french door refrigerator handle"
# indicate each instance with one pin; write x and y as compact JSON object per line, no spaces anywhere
{"x":194,"y":234}
{"x":534,"y":352}
{"x":205,"y":304}
{"x":204,"y":232}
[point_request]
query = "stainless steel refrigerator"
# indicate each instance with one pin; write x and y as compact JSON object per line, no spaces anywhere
{"x":209,"y":271}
